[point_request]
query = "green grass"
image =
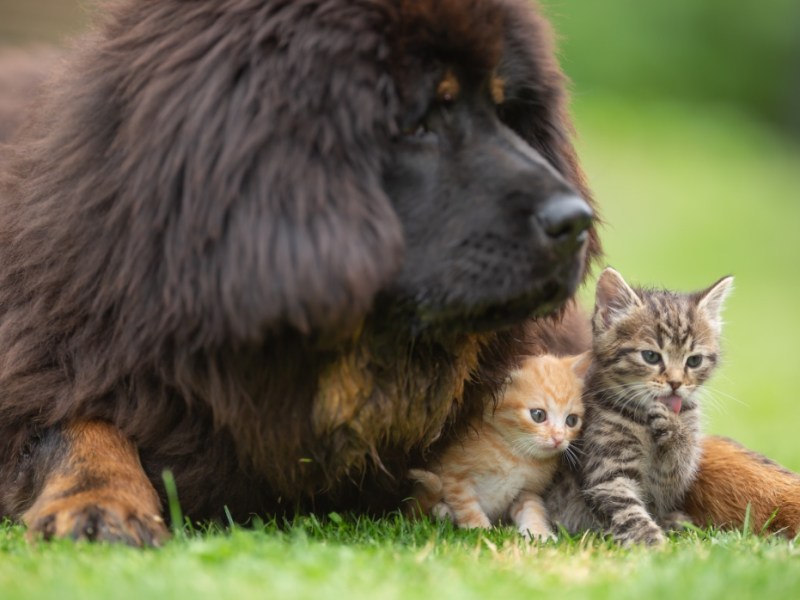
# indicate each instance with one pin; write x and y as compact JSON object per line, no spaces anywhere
{"x":688,"y":196}
{"x":393,"y":558}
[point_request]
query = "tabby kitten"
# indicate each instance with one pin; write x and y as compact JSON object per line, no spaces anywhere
{"x":499,"y":469}
{"x":641,"y":443}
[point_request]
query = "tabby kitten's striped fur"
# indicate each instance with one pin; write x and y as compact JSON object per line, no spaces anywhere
{"x":641,"y":443}
{"x":500,"y":468}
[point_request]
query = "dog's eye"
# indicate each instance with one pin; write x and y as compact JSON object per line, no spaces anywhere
{"x":447,"y":100}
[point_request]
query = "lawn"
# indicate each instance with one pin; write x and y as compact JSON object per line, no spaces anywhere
{"x":688,"y":195}
{"x":392,"y":558}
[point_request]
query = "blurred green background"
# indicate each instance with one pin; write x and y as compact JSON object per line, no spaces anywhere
{"x":688,"y":116}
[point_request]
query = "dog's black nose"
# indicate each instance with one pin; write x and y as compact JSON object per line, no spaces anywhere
{"x":565,"y":217}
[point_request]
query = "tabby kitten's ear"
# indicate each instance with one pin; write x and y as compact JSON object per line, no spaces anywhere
{"x":613,"y":298}
{"x":580,"y":364}
{"x":710,"y":301}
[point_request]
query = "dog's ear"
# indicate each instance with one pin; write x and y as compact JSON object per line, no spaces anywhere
{"x":265,"y":152}
{"x":534,"y":97}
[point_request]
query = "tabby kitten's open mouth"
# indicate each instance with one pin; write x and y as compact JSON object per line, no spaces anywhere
{"x":673,"y":402}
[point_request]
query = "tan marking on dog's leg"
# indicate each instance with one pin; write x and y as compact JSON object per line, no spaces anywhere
{"x":97,"y":491}
{"x":498,"y":90}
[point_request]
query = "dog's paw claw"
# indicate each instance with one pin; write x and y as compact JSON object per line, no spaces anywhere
{"x":96,"y":522}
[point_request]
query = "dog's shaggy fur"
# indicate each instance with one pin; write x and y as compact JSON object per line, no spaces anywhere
{"x":22,"y":73}
{"x":215,"y":238}
{"x":279,"y":248}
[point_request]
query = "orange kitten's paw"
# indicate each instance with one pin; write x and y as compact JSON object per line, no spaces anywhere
{"x":473,"y":520}
{"x":442,"y":512}
{"x":84,"y":518}
{"x":530,"y":516}
{"x":535,"y":532}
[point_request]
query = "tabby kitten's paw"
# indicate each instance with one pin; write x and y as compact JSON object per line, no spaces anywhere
{"x":662,"y":422}
{"x":676,"y":521}
{"x":650,"y":535}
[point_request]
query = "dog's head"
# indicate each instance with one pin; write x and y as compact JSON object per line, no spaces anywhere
{"x":445,"y":166}
{"x":479,"y":171}
{"x":413,"y":155}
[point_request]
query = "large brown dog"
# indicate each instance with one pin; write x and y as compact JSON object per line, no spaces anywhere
{"x":278,"y":248}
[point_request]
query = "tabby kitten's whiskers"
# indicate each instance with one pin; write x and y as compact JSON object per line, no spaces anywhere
{"x":653,"y":349}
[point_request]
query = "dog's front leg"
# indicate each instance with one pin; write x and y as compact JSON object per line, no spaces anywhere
{"x":94,"y":488}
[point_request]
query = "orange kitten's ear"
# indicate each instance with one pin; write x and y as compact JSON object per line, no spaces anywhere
{"x":613,"y":298}
{"x":580,"y":364}
{"x":710,"y":301}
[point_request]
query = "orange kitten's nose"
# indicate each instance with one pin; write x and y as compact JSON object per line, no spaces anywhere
{"x":557,"y":440}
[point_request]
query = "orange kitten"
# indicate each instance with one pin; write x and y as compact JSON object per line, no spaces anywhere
{"x":499,"y":469}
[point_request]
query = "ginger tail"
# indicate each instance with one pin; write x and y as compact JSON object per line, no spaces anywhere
{"x":731,"y":478}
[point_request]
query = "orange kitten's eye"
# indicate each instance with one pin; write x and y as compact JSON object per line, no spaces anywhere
{"x":538,"y":415}
{"x":650,"y":357}
{"x":572,"y":420}
{"x":694,"y":361}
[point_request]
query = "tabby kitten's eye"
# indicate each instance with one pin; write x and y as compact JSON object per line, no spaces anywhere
{"x":650,"y":357}
{"x":538,"y":415}
{"x":694,"y":361}
{"x":572,"y":420}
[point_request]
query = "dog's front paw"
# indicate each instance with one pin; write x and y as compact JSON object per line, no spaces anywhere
{"x":97,"y":491}
{"x":83,"y":517}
